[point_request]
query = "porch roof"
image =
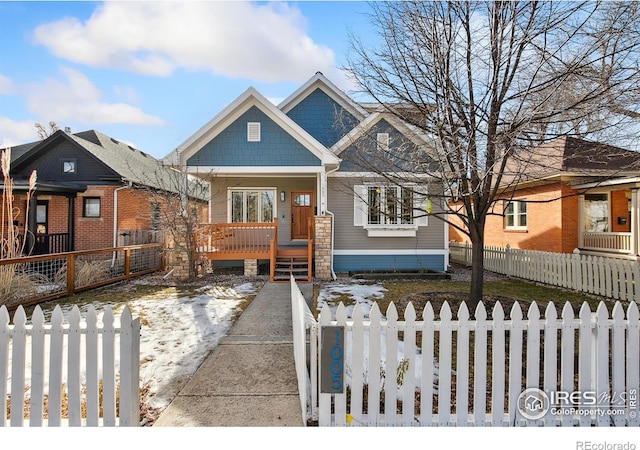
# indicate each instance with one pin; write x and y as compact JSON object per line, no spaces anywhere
{"x":48,"y":188}
{"x":611,"y":184}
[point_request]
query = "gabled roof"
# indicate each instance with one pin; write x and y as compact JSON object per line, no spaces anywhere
{"x":319,"y":81}
{"x":410,"y":132}
{"x":130,"y":164}
{"x":573,"y":156}
{"x":249,"y":98}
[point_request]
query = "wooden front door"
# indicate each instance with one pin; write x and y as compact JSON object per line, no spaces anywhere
{"x":301,"y":211}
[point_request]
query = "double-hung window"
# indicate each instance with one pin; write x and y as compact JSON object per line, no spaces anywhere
{"x":515,"y":215}
{"x":251,"y":205}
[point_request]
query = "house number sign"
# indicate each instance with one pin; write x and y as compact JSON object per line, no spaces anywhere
{"x":332,"y":358}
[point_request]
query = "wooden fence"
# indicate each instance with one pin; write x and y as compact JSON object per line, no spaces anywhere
{"x":34,"y":279}
{"x":610,"y":277}
{"x":447,"y":370}
{"x":473,"y":371}
{"x":76,"y":373}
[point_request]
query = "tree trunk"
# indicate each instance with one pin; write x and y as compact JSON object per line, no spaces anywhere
{"x":477,"y":271}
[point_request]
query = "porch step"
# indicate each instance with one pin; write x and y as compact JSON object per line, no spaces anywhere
{"x":288,"y":265}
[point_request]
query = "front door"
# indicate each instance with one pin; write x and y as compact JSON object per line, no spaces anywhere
{"x":301,"y":211}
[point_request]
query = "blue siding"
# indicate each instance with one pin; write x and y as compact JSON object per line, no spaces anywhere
{"x":356,"y":157}
{"x":276,"y":146}
{"x":350,"y":263}
{"x":322,"y":117}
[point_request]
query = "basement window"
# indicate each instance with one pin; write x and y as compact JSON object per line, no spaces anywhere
{"x":253,"y":131}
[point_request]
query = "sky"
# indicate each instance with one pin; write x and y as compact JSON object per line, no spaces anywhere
{"x":152,"y":73}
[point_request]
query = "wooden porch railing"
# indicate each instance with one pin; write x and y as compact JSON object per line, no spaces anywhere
{"x":611,"y":242}
{"x":234,"y":241}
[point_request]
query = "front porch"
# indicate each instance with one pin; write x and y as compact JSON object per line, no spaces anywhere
{"x":609,"y":218}
{"x":251,"y":242}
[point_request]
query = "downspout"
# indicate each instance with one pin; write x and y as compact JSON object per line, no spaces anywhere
{"x":115,"y":219}
{"x":333,"y":220}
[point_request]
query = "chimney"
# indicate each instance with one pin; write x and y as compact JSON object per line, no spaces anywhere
{"x":67,"y":129}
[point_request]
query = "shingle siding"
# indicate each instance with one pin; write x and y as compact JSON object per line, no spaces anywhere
{"x":276,"y":146}
{"x":322,"y":117}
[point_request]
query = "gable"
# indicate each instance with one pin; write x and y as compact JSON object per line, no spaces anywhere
{"x":48,"y":163}
{"x":364,"y":154}
{"x":322,"y":117}
{"x":276,"y":147}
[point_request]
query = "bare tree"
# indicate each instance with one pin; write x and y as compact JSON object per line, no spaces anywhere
{"x":43,"y":132}
{"x":178,"y":204}
{"x":485,"y":83}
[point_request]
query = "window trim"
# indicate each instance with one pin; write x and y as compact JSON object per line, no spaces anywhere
{"x":84,"y":207}
{"x":516,"y":214}
{"x":362,"y":212}
{"x":72,"y":161}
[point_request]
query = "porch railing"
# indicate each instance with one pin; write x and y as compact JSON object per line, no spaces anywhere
{"x":611,"y":242}
{"x":224,"y":241}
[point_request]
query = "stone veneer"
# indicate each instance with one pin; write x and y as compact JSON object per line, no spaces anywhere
{"x":176,"y":256}
{"x":250,"y":267}
{"x":322,"y":247}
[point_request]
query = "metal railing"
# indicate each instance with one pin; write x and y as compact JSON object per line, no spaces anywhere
{"x":34,"y":279}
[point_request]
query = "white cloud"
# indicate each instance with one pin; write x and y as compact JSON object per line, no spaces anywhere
{"x":77,"y":99}
{"x":6,"y":85}
{"x":265,"y":42}
{"x":14,"y":132}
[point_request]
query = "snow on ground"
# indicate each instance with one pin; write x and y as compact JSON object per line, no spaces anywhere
{"x":179,"y":327}
{"x":364,"y":295}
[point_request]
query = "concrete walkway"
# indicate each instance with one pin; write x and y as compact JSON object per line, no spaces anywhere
{"x":249,"y":378}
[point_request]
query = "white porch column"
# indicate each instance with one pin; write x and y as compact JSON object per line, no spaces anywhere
{"x":580,"y":220}
{"x":635,"y":222}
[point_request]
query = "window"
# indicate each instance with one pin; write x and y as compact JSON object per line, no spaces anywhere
{"x":389,"y":205}
{"x":252,"y":205}
{"x":253,"y":131}
{"x":91,"y":207}
{"x":42,"y":216}
{"x":389,"y":211}
{"x":69,"y":166}
{"x":515,"y":215}
{"x":596,"y":212}
{"x":383,"y":141}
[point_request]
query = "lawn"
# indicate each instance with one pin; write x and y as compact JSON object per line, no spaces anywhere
{"x":400,"y":292}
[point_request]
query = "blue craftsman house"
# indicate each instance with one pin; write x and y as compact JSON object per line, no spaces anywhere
{"x":301,"y":186}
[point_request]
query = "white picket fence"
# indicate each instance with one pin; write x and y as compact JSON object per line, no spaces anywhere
{"x":457,"y":371}
{"x":610,"y":277}
{"x":75,"y":372}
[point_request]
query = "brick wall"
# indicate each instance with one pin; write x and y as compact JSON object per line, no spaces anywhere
{"x":552,"y":221}
{"x":94,"y":232}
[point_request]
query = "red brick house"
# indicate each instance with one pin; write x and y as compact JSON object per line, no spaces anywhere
{"x":92,"y":192}
{"x":572,"y":194}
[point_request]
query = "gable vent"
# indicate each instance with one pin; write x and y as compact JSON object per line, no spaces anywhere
{"x":253,"y":131}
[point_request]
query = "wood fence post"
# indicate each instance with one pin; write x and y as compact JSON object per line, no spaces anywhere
{"x":71,"y":274}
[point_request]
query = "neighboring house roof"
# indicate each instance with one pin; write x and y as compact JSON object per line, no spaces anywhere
{"x":129,"y":164}
{"x":247,"y":100}
{"x":570,"y":156}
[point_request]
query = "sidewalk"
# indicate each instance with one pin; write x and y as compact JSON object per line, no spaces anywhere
{"x":249,"y":378}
